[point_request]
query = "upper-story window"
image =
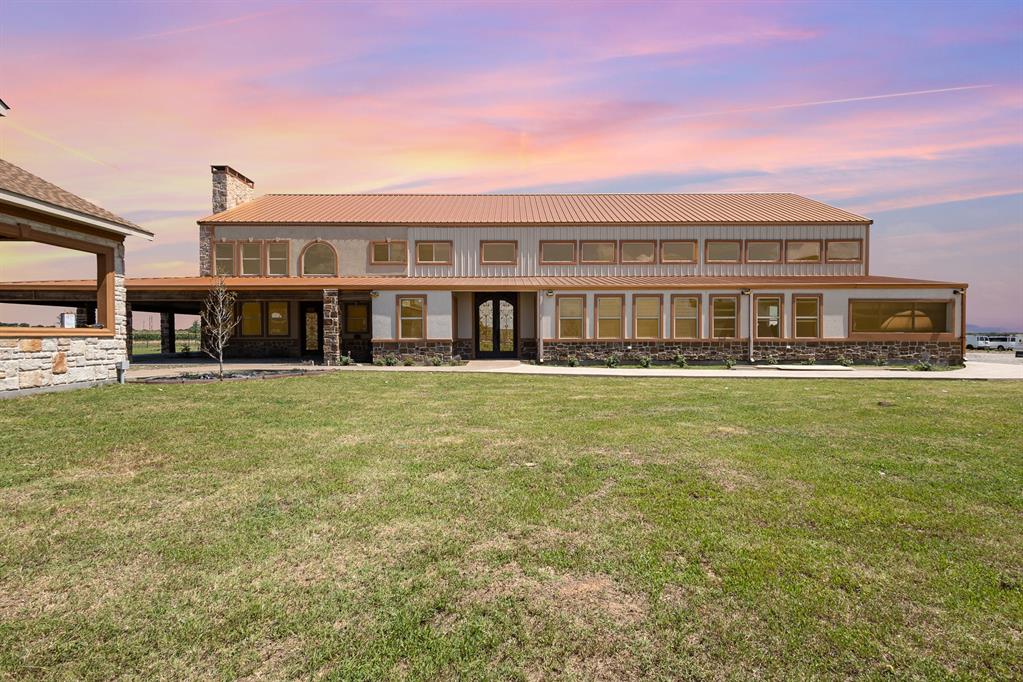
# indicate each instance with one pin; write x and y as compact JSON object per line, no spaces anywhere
{"x":319,"y":259}
{"x":597,"y":252}
{"x":802,"y":252}
{"x":251,"y":258}
{"x":498,"y":253}
{"x":554,"y":253}
{"x":433,"y":253}
{"x":639,"y":252}
{"x":223,"y":255}
{"x":762,"y":251}
{"x":844,"y":251}
{"x":723,"y":251}
{"x":389,"y":252}
{"x":678,"y":251}
{"x":277,"y":256}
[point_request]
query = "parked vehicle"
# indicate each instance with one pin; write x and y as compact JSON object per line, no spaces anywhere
{"x":992,"y":341}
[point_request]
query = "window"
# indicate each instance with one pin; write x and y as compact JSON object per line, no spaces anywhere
{"x":685,"y":312}
{"x":803,"y":252}
{"x":411,"y":317}
{"x":844,"y":251}
{"x":319,"y":259}
{"x":678,"y":252}
{"x":224,"y":256}
{"x":639,"y":252}
{"x":571,"y":310}
{"x":768,"y":317}
{"x":763,"y":252}
{"x":357,"y":318}
{"x":251,"y":257}
{"x":723,"y":251}
{"x":899,"y":317}
{"x":389,"y":252}
{"x":433,"y":253}
{"x":646,"y":311}
{"x":498,"y":253}
{"x":557,"y":252}
{"x":609,"y":317}
{"x":597,"y":252}
{"x":807,"y":317}
{"x":277,"y":254}
{"x":277,"y":318}
{"x":252,"y":319}
{"x":724,"y":317}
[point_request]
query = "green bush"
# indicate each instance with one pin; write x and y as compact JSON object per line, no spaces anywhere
{"x":391,"y":360}
{"x":680,"y":361}
{"x":844,"y":361}
{"x":436,"y":361}
{"x":612,"y":361}
{"x":880,"y":361}
{"x":644,"y":361}
{"x":729,"y":363}
{"x":771,"y":359}
{"x":573,"y":361}
{"x":923,"y":366}
{"x":378,"y":361}
{"x":408,"y":362}
{"x":346,"y":360}
{"x":812,"y":360}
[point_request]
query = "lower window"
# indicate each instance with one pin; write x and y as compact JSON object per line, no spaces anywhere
{"x":277,"y":318}
{"x":768,"y":317}
{"x":252,"y":318}
{"x":356,"y":318}
{"x":806,"y":317}
{"x":570,"y":317}
{"x":609,"y":317}
{"x":411,"y":317}
{"x":647,"y":317}
{"x":724,"y":317}
{"x":685,"y":311}
{"x":899,"y":317}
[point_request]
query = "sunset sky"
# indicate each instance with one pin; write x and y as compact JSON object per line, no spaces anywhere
{"x":908,"y":113}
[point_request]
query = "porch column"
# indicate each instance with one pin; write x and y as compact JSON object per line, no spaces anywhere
{"x":128,"y":345}
{"x":331,"y":327}
{"x":167,"y":341}
{"x":539,"y":326}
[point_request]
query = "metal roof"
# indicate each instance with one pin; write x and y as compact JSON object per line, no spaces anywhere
{"x":19,"y":181}
{"x":535,"y":209}
{"x":171,"y":284}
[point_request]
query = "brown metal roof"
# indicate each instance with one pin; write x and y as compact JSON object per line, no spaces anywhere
{"x":535,"y":209}
{"x":486,"y":283}
{"x":17,"y":180}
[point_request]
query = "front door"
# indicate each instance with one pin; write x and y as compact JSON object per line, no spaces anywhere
{"x":496,"y":333}
{"x":311,"y":323}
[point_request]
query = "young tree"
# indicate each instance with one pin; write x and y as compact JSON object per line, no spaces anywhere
{"x":218,"y":322}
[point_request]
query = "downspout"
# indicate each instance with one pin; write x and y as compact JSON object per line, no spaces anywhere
{"x":748,"y":293}
{"x":539,"y":331}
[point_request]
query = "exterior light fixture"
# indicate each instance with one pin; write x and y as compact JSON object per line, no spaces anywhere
{"x":549,"y":292}
{"x":374,"y":294}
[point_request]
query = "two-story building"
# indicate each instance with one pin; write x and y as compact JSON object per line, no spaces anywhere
{"x":548,"y":276}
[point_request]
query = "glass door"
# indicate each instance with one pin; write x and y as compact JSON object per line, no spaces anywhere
{"x":311,"y":323}
{"x":496,"y":333}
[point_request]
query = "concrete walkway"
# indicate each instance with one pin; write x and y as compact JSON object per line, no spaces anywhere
{"x":975,"y":369}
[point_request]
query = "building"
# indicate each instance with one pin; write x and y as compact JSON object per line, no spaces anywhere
{"x":95,"y":350}
{"x":550,"y":276}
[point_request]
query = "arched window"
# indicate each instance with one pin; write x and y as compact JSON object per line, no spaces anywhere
{"x":319,"y":259}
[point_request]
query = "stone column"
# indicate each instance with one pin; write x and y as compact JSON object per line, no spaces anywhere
{"x":167,"y":341}
{"x":331,"y":327}
{"x":127,"y":330}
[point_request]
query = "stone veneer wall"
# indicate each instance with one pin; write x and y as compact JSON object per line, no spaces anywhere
{"x":241,"y":347}
{"x":417,"y":351}
{"x":60,"y":361}
{"x":205,"y":245}
{"x":866,"y":352}
{"x":463,"y":348}
{"x":331,"y":327}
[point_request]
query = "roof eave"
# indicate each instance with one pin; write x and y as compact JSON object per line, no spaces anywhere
{"x":126,"y":228}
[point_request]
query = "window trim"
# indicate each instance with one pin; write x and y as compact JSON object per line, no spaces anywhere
{"x":621,"y":317}
{"x":451,"y":252}
{"x":234,"y":257}
{"x":665,"y":261}
{"x":820,"y":315}
{"x":706,"y":250}
{"x":397,"y":304}
{"x":738,"y":316}
{"x":301,"y":258}
{"x":241,"y":244}
{"x":660,"y":317}
{"x":575,"y":252}
{"x":389,"y":242}
{"x":621,"y":251}
{"x":515,"y":254}
{"x":266,"y":255}
{"x":699,"y":317}
{"x":909,"y":336}
{"x":779,"y":242}
{"x":828,"y":242}
{"x":614,"y":249}
{"x":557,"y":317}
{"x":781,"y":317}
{"x":346,"y":329}
{"x":820,"y":251}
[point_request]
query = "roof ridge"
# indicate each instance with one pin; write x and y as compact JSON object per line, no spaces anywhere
{"x":528,"y":194}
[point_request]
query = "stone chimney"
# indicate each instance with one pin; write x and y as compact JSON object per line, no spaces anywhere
{"x":230,"y":188}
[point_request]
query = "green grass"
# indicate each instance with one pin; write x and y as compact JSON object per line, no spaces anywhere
{"x":421,"y":526}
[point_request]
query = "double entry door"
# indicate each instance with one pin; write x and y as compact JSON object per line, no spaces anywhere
{"x":496,"y":331}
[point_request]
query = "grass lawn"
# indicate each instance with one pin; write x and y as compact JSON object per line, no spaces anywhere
{"x":417,"y":525}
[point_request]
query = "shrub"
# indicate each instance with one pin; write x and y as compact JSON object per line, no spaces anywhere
{"x":844,"y":361}
{"x":771,"y":359}
{"x":644,"y":361}
{"x":923,"y":366}
{"x":812,"y":360}
{"x":729,"y":363}
{"x":391,"y":360}
{"x":612,"y":361}
{"x":680,"y":361}
{"x":880,"y":361}
{"x":408,"y":362}
{"x":573,"y":361}
{"x":436,"y":361}
{"x":186,"y":348}
{"x":345,"y":360}
{"x":378,"y":361}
